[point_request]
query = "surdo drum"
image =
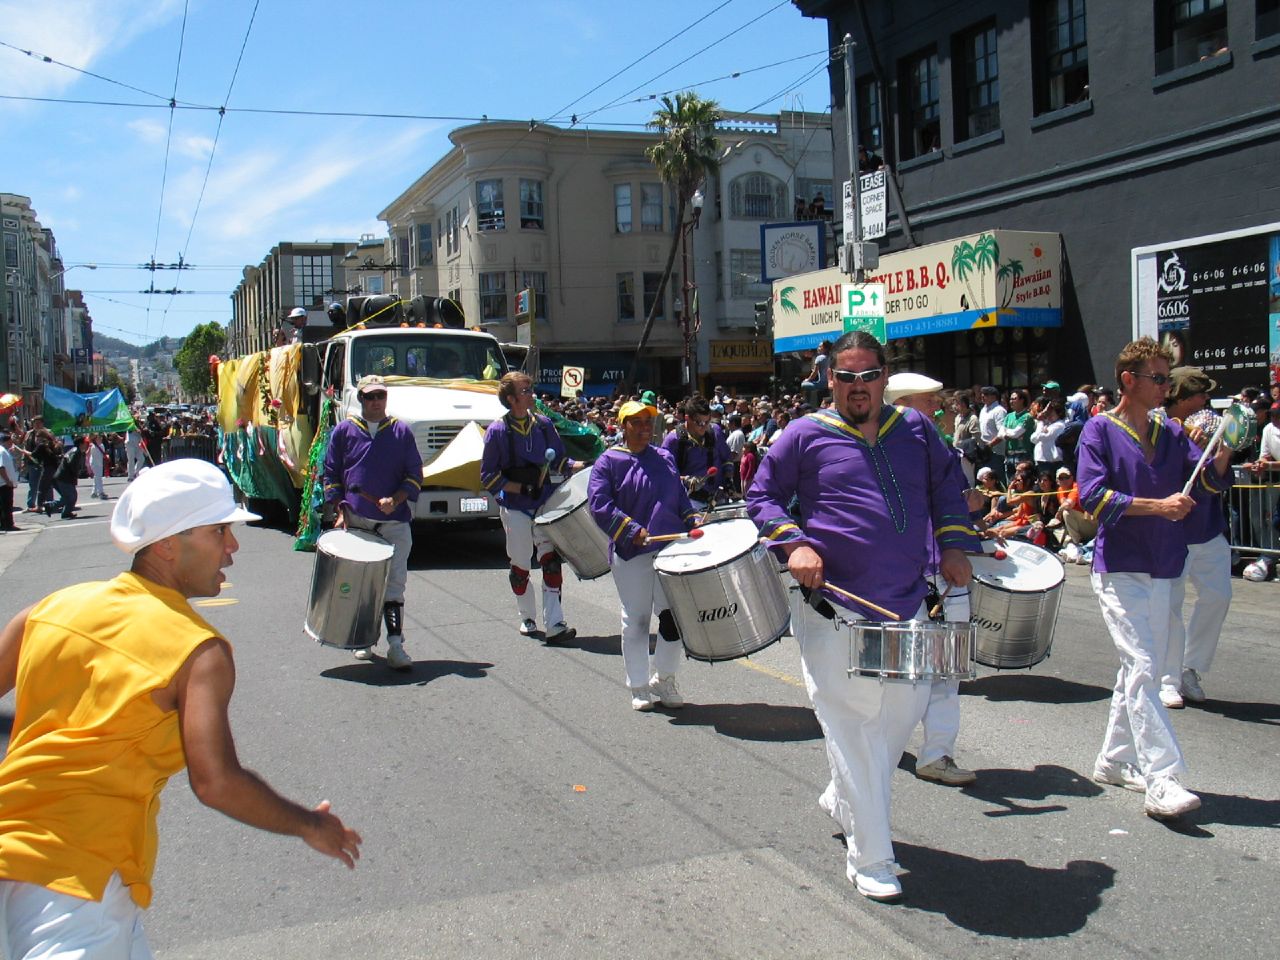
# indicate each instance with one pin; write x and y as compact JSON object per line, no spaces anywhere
{"x":724,"y":591}
{"x":1014,"y":605}
{"x":348,"y":585}
{"x":914,"y":650}
{"x":566,"y":520}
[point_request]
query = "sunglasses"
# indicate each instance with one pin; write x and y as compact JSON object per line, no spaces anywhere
{"x":525,"y":392}
{"x":854,"y":376}
{"x":374,"y":395}
{"x":1159,"y":379}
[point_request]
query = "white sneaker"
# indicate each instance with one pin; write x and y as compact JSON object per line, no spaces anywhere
{"x":663,"y":689}
{"x":1167,"y":799}
{"x":827,"y":801}
{"x":560,"y":633}
{"x":1170,"y":697}
{"x":877,"y":881}
{"x":1191,"y":689}
{"x":528,"y":628}
{"x":641,"y":699}
{"x":365,"y":654}
{"x":1119,"y":775}
{"x":397,"y":659}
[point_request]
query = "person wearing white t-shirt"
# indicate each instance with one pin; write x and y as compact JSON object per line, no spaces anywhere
{"x":735,"y":441}
{"x":990,"y":420}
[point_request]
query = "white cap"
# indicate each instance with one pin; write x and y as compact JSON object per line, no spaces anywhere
{"x":297,"y":312}
{"x":905,"y":384}
{"x":986,"y":472}
{"x":170,"y":498}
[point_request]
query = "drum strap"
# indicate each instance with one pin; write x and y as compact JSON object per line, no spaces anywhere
{"x":819,"y":603}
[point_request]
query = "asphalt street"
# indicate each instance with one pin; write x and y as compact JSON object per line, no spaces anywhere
{"x":513,"y":805}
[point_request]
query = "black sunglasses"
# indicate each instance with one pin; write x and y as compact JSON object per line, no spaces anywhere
{"x":1159,"y":379}
{"x":853,"y":376}
{"x":374,"y":395}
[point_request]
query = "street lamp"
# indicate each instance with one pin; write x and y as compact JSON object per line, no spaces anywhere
{"x":682,"y":306}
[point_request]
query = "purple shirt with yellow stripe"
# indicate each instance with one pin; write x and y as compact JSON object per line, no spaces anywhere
{"x":360,"y":469}
{"x":1112,"y":471}
{"x":628,"y":491}
{"x":868,"y":511}
{"x":529,"y":440}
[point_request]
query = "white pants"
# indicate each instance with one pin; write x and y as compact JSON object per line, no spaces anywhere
{"x":1193,"y":646}
{"x":136,"y":460}
{"x":942,"y":715}
{"x":866,"y":724}
{"x":38,"y":924}
{"x":641,"y":596}
{"x":398,"y":533}
{"x":1135,"y":608}
{"x":527,"y":543}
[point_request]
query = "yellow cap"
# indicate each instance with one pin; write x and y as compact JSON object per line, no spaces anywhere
{"x":632,"y":407}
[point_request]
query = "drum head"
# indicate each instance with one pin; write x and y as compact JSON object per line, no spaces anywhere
{"x":359,"y":545}
{"x":719,"y":543}
{"x":1026,"y":569}
{"x":567,"y":497}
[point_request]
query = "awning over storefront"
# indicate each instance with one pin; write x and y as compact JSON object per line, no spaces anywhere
{"x":1000,"y":278}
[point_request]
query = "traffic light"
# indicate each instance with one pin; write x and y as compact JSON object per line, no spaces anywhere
{"x":762,"y":317}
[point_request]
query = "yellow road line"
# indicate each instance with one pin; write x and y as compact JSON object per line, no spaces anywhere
{"x":770,"y":672}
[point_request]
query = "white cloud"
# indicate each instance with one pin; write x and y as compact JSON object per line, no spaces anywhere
{"x":197,"y":148}
{"x":71,"y":193}
{"x":148,"y":131}
{"x":74,"y":32}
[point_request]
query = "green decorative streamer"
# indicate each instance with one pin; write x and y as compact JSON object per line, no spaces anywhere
{"x":313,"y":487}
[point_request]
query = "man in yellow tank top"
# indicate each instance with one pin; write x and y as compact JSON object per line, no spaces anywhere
{"x":120,"y":684}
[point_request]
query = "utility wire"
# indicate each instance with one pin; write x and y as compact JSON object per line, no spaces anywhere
{"x":88,"y":73}
{"x":213,"y":149}
{"x":692,"y":56}
{"x":164,"y":174}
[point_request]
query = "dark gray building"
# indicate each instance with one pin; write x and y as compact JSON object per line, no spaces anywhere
{"x":1114,"y":124}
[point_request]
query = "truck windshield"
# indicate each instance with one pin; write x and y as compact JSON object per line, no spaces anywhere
{"x":427,"y":355}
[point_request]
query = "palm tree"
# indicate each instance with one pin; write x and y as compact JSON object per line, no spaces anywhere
{"x":686,"y":153}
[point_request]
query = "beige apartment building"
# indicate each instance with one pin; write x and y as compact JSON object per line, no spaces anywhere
{"x":581,"y":218}
{"x":307,"y":275}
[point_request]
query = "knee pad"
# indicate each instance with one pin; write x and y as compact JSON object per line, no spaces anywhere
{"x":667,"y":628}
{"x":519,"y":578}
{"x":552,"y":570}
{"x":393,"y":617}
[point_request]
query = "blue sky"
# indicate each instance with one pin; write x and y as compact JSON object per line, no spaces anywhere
{"x":94,"y":173}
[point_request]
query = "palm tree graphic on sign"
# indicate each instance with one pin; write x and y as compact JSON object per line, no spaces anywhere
{"x":784,"y":300}
{"x":980,"y":256}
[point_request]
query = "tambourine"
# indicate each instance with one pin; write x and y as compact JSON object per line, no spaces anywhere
{"x":1235,"y":427}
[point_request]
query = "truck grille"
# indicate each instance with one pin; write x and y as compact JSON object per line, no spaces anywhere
{"x":431,"y":438}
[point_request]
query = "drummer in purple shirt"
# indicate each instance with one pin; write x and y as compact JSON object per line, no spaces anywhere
{"x":700,"y":451}
{"x":872,"y":482}
{"x":1133,"y":464}
{"x":635,"y":493}
{"x":521,"y":452}
{"x":372,"y":469}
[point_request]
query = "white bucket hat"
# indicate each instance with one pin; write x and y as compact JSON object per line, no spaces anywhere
{"x":170,"y":498}
{"x":905,"y":384}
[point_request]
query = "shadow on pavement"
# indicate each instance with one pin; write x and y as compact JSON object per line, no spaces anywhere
{"x":1229,"y":809}
{"x":766,"y":722}
{"x":609,"y":646}
{"x":1003,"y":898}
{"x":376,"y":673}
{"x":1268,"y":713}
{"x":1006,"y":787}
{"x":1035,"y":688}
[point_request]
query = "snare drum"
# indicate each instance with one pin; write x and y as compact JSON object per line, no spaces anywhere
{"x":348,"y":585}
{"x":1014,"y":605}
{"x":724,"y":591}
{"x":730,"y":511}
{"x":566,"y":520}
{"x":916,"y":650}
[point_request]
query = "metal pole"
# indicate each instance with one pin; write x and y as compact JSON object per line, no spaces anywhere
{"x":851,"y":139}
{"x":685,"y":326}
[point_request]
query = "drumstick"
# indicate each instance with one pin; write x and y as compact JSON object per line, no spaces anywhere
{"x":693,"y":534}
{"x":355,"y":488}
{"x":861,"y":602}
{"x":711,"y":504}
{"x":1213,"y":442}
{"x":548,"y":455}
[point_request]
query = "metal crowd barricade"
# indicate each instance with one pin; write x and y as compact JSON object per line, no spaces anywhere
{"x":1252,"y":504}
{"x":199,"y":447}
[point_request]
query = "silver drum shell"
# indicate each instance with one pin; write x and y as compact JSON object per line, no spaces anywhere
{"x":914,"y":651}
{"x":733,"y":609}
{"x":345,"y":608}
{"x":566,"y":520}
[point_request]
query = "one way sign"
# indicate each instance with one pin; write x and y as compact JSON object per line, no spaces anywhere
{"x":864,"y":308}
